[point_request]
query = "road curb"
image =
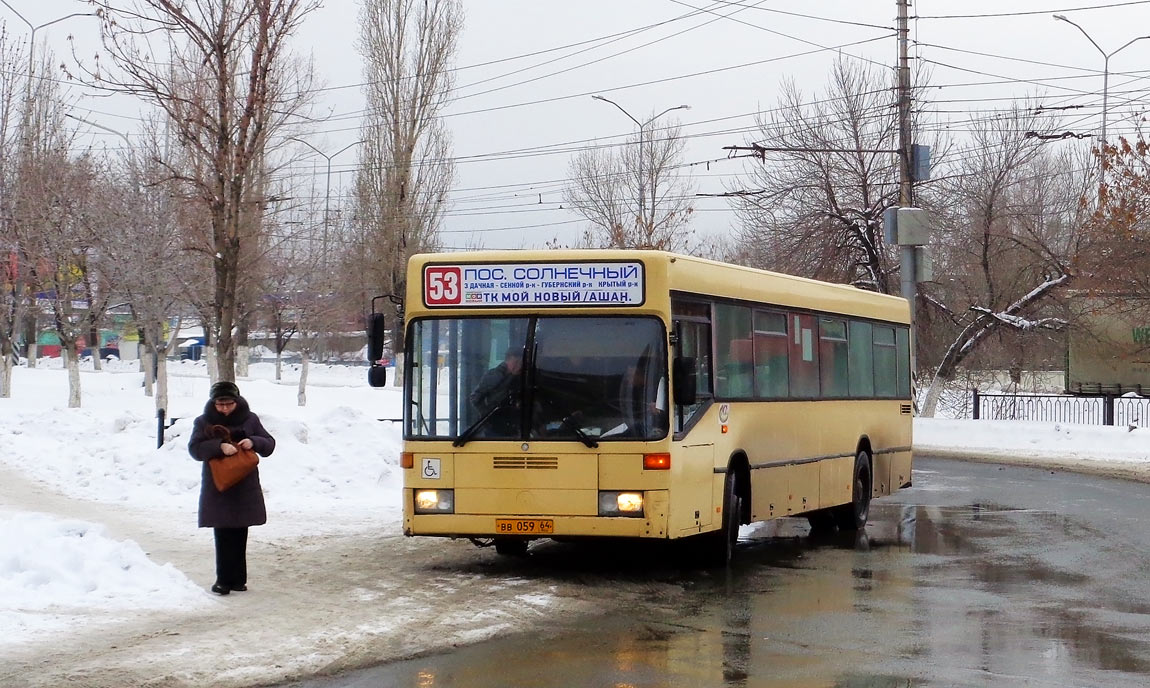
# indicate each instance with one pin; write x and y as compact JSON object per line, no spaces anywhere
{"x":1123,"y":470}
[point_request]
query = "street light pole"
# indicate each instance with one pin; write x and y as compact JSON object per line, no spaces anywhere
{"x":99,"y":126}
{"x":32,"y":38}
{"x":327,"y":189}
{"x":1105,"y":81}
{"x":642,"y":126}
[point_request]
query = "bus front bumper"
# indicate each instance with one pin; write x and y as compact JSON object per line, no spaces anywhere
{"x":653,"y":523}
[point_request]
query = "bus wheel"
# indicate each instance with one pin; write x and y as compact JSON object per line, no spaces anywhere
{"x":720,"y":544}
{"x":511,"y":547}
{"x":853,"y":516}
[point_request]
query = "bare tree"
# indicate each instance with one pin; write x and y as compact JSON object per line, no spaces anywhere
{"x":222,"y":73}
{"x":52,"y":212}
{"x":405,"y":165}
{"x":1007,"y":246}
{"x":634,"y":197}
{"x":814,"y":205}
{"x":14,"y":292}
{"x":57,"y":202}
{"x":144,"y":253}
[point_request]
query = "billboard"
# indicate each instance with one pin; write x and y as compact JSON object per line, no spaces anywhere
{"x":1109,"y":346}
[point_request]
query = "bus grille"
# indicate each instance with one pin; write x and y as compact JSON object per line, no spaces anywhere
{"x":537,"y":462}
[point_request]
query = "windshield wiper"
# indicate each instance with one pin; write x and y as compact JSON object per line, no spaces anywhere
{"x":466,"y":435}
{"x":566,"y":422}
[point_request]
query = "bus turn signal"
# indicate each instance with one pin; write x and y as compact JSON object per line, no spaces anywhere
{"x":407,"y":460}
{"x":656,"y":462}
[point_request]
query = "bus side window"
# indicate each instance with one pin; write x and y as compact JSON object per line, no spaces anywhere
{"x":804,"y":357}
{"x":694,"y":343}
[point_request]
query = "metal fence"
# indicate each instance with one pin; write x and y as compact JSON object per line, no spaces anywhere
{"x":1062,"y":408}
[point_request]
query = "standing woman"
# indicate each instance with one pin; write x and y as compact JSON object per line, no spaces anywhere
{"x":232,"y":511}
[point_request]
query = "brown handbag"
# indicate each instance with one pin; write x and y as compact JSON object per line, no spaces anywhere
{"x":229,"y":470}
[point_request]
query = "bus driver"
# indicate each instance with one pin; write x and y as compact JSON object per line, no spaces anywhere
{"x":498,"y":390}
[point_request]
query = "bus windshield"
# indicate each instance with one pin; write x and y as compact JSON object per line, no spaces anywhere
{"x":585,"y":379}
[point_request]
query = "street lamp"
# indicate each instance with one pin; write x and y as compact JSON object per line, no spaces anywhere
{"x":32,"y":38}
{"x":327,"y":190}
{"x":99,"y":126}
{"x":642,"y":126}
{"x":1105,"y":78}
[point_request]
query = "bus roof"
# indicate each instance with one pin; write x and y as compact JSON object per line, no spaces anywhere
{"x":692,"y":275}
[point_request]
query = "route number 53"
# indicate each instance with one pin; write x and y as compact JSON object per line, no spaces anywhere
{"x":442,"y":286}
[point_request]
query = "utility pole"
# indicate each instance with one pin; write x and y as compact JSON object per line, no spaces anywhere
{"x":907,"y":267}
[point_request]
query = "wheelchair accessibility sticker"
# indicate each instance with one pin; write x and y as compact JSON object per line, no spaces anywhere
{"x":724,"y":412}
{"x":430,"y":469}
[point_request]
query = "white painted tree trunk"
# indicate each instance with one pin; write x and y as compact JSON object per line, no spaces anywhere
{"x":213,"y":369}
{"x":301,"y":396}
{"x":146,"y":362}
{"x":242,"y":355}
{"x":279,"y":366}
{"x":162,"y":381}
{"x":933,"y":394}
{"x":72,"y":361}
{"x":5,"y":376}
{"x":398,"y":379}
{"x":33,"y":352}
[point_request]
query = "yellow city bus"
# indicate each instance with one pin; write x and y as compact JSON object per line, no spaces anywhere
{"x":643,"y":394}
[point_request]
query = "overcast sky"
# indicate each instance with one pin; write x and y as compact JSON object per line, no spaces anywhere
{"x":516,"y":118}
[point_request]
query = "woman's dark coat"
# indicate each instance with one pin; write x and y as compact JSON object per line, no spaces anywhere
{"x":242,"y":505}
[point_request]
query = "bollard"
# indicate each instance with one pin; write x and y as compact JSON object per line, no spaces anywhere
{"x":159,"y":428}
{"x":974,"y":407}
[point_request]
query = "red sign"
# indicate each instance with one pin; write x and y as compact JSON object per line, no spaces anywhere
{"x":443,"y":286}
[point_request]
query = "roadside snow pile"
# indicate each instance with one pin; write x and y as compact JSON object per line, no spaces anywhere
{"x":57,"y":572}
{"x":1032,"y":440}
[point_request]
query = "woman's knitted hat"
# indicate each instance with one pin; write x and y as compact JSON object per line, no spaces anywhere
{"x":224,"y":390}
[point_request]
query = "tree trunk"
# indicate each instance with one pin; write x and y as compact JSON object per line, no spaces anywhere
{"x":301,"y":396}
{"x":210,"y":360}
{"x":397,"y":378}
{"x":397,"y":350}
{"x":94,"y":344}
{"x":72,"y":361}
{"x":279,"y":366}
{"x":161,"y":378}
{"x":146,"y":358}
{"x":243,"y":353}
{"x":7,"y":359}
{"x":30,"y":337}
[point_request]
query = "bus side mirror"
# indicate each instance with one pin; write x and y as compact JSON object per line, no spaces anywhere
{"x":376,"y":332}
{"x":685,"y":373}
{"x":377,"y":376}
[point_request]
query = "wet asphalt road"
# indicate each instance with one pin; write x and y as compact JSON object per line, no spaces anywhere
{"x":979,"y":575}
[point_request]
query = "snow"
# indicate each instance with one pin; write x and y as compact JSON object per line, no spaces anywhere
{"x":335,"y":471}
{"x":333,"y":463}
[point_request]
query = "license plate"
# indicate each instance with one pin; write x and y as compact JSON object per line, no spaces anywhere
{"x":524,"y":526}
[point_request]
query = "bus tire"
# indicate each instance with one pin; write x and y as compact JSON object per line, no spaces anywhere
{"x":511,"y":547}
{"x":853,"y":516}
{"x":720,"y":545}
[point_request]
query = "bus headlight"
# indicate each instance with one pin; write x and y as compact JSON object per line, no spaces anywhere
{"x":616,"y":503}
{"x":435,"y":501}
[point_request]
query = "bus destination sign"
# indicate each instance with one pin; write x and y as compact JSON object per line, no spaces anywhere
{"x":521,"y":285}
